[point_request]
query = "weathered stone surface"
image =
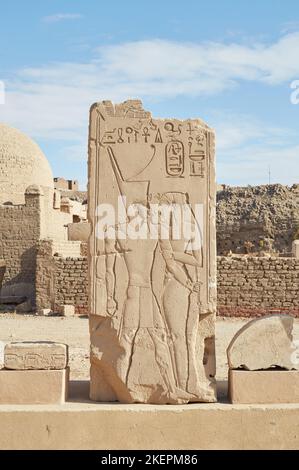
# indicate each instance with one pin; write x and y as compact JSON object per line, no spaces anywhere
{"x":263,"y":387}
{"x":81,"y":425}
{"x":257,"y":218}
{"x":152,"y":297}
{"x":264,"y":343}
{"x":24,"y":387}
{"x":39,"y":355}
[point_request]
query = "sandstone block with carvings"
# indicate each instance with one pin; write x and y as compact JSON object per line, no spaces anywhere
{"x":35,"y":355}
{"x":152,"y":259}
{"x":263,"y":386}
{"x":24,"y":387}
{"x":264,"y":343}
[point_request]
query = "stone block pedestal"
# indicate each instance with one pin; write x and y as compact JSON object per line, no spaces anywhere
{"x":263,"y":386}
{"x":24,"y":387}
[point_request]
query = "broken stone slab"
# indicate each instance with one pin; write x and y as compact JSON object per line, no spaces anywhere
{"x":35,"y":355}
{"x":264,"y":343}
{"x":26,"y":387}
{"x":152,"y":300}
{"x":263,"y":386}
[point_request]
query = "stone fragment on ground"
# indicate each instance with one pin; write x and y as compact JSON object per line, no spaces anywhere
{"x":264,"y":343}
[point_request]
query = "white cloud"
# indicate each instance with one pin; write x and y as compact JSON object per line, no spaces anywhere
{"x":246,"y":148}
{"x":61,"y":93}
{"x":250,"y":165}
{"x":52,"y":101}
{"x":61,"y":17}
{"x":238,"y":130}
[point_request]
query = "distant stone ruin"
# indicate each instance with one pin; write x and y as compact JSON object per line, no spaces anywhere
{"x":63,"y":184}
{"x":257,"y":219}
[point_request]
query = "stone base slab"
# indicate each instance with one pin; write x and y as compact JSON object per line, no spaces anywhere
{"x":82,"y":424}
{"x":263,"y":387}
{"x":20,"y":387}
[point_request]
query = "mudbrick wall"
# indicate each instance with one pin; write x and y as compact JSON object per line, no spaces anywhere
{"x":60,"y":280}
{"x":247,"y":286}
{"x":254,"y":286}
{"x":71,"y":284}
{"x":20,"y":231}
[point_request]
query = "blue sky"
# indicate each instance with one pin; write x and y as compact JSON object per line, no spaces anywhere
{"x":229,"y":62}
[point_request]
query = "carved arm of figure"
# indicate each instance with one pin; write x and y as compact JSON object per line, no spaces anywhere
{"x":171,"y":259}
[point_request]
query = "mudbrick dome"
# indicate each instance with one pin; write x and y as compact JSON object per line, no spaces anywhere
{"x":22,"y":164}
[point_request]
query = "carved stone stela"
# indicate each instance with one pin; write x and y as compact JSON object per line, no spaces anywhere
{"x":152,"y":298}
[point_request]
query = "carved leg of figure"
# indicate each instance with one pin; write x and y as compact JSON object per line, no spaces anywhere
{"x":130,"y":325}
{"x":177,"y":329}
{"x":166,"y":355}
{"x":174,"y":394}
{"x":127,"y":341}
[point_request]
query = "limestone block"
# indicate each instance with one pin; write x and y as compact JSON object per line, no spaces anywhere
{"x":67,"y":310}
{"x":45,"y":312}
{"x":263,"y":387}
{"x":295,"y":249}
{"x":24,"y":387}
{"x":152,"y":269}
{"x":39,"y":355}
{"x":264,"y":343}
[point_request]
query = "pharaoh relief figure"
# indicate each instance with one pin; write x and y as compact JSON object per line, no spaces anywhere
{"x":151,"y":327}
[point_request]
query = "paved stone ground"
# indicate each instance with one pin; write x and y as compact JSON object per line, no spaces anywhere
{"x":74,"y":332}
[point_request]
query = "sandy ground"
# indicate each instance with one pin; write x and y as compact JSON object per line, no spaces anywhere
{"x":74,"y":332}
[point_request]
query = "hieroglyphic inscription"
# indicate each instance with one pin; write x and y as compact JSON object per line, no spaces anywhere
{"x":26,"y":356}
{"x":174,"y":152}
